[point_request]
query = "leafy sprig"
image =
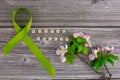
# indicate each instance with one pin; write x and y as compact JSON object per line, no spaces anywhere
{"x":80,"y":45}
{"x":103,"y":59}
{"x":74,"y":47}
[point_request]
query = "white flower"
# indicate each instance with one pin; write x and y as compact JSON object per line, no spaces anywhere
{"x":63,"y":49}
{"x":63,"y":59}
{"x":95,"y":52}
{"x":81,"y":34}
{"x":111,"y":49}
{"x":61,"y":52}
{"x":88,"y":41}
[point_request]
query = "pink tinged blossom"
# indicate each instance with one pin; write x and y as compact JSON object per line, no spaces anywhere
{"x":61,"y":52}
{"x":101,"y":48}
{"x":81,"y":33}
{"x":95,"y":52}
{"x":86,"y":45}
{"x":111,"y":49}
{"x":91,"y":57}
{"x":63,"y":49}
{"x":98,"y":48}
{"x":88,"y":41}
{"x":84,"y":36}
{"x":63,"y":59}
{"x":58,"y":52}
{"x":76,"y":35}
{"x":96,"y":55}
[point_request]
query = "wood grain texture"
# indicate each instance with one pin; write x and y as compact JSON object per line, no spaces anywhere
{"x":21,"y":63}
{"x":64,"y":12}
{"x":100,"y":20}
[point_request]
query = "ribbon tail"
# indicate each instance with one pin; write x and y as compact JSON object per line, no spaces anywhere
{"x":40,"y":56}
{"x":13,"y":43}
{"x":23,"y":35}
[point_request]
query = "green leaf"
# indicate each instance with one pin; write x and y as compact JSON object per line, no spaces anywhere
{"x":98,"y":67}
{"x":79,"y":48}
{"x":110,"y":61}
{"x":73,"y":56}
{"x":112,"y":56}
{"x":71,"y":49}
{"x":93,"y":63}
{"x":100,"y":55}
{"x":102,"y":62}
{"x":72,"y":38}
{"x":81,"y":40}
{"x":85,"y":51}
{"x":69,"y":60}
{"x":75,"y":42}
{"x":97,"y":64}
{"x":69,"y":44}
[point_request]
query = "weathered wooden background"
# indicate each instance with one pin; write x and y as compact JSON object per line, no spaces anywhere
{"x":56,"y":20}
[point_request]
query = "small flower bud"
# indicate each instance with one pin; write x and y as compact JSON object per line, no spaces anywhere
{"x":84,"y":36}
{"x":91,"y":57}
{"x":86,"y":45}
{"x":58,"y":52}
{"x":63,"y":59}
{"x":76,"y":35}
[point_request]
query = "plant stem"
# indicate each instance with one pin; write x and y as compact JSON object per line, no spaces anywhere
{"x":85,"y":61}
{"x":110,"y":75}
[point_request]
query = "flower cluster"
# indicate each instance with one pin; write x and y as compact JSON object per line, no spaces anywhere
{"x":84,"y":36}
{"x":93,"y":55}
{"x":61,"y":51}
{"x":80,"y":44}
{"x":102,"y":55}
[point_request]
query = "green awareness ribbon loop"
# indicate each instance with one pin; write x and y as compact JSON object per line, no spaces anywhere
{"x":22,"y":34}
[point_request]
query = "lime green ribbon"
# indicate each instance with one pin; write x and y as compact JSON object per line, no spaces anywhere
{"x":22,"y":34}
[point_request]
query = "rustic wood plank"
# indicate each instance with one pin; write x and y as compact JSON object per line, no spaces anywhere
{"x":14,"y":66}
{"x":57,"y":14}
{"x":64,"y":12}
